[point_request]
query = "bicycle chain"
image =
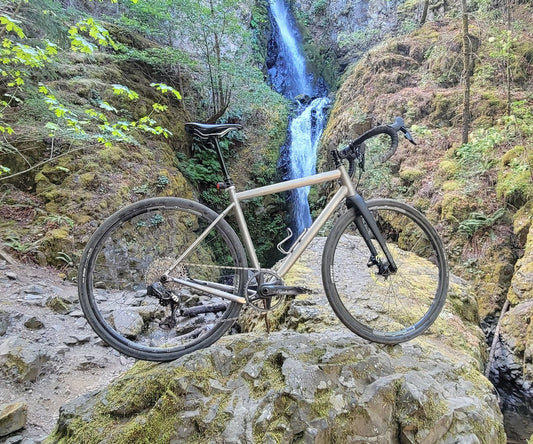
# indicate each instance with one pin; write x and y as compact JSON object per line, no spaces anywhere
{"x":263,"y":270}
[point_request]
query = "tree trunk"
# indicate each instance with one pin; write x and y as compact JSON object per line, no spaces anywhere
{"x":424,"y":12}
{"x":508,"y":58}
{"x":467,"y":61}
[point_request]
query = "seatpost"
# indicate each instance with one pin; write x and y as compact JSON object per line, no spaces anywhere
{"x":227,"y":179}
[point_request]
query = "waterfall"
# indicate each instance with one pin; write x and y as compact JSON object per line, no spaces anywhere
{"x":305,"y":131}
{"x":288,"y":74}
{"x":291,"y":65}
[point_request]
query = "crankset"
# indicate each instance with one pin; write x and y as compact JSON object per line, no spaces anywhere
{"x":265,"y":291}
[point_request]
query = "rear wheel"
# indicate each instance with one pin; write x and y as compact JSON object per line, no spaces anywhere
{"x":382,"y":306}
{"x":120,"y":287}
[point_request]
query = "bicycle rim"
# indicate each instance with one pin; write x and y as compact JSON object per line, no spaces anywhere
{"x":382,"y":307}
{"x":132,"y":250}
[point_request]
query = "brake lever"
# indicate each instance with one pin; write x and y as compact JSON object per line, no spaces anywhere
{"x":407,"y":135}
{"x":399,"y":125}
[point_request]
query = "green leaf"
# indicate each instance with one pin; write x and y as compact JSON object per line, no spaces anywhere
{"x":10,"y":25}
{"x":124,"y":90}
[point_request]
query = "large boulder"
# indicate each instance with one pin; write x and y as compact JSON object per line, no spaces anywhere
{"x":292,"y":387}
{"x":322,"y":386}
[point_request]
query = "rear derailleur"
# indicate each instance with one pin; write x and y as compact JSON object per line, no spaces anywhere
{"x":166,"y":297}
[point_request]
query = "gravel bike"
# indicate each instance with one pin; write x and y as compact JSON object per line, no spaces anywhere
{"x":166,"y":276}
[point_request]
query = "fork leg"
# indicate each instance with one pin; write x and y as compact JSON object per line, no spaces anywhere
{"x":363,"y":213}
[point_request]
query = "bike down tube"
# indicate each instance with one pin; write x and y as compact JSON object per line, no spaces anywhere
{"x":347,"y":189}
{"x":313,"y":230}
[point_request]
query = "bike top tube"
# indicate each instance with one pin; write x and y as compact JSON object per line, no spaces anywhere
{"x":347,"y":189}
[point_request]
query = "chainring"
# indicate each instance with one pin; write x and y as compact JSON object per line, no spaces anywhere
{"x":260,"y":303}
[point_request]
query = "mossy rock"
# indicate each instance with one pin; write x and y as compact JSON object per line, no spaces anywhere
{"x":410,"y":175}
{"x":59,"y":305}
{"x":448,"y":168}
{"x":517,"y":332}
{"x":112,"y":155}
{"x":496,"y":272}
{"x":521,"y":289}
{"x":514,"y":179}
{"x":56,"y":243}
{"x":452,"y":185}
{"x":456,"y":207}
{"x":522,"y":221}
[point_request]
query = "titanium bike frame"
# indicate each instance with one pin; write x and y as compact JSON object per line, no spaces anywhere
{"x":346,"y":191}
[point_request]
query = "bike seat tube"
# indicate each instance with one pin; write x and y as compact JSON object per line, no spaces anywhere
{"x":227,"y":179}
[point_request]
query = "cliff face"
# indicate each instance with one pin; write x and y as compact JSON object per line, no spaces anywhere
{"x":325,"y":385}
{"x":478,"y":194}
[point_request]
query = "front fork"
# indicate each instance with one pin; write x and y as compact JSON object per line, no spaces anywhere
{"x":363,"y":214}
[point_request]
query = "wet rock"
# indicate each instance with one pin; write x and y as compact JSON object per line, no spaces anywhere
{"x":20,"y":360}
{"x":12,"y":417}
{"x":4,"y":322}
{"x":33,"y":323}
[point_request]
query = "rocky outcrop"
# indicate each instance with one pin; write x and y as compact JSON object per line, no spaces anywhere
{"x":346,"y":29}
{"x":311,"y":381}
{"x":290,"y":387}
{"x":512,"y":368}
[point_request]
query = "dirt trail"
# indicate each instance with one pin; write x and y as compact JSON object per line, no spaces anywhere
{"x":72,"y":360}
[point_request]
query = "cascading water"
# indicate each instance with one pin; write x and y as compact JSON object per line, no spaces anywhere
{"x":289,"y":76}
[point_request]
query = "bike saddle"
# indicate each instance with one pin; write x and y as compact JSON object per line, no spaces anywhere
{"x":206,"y":130}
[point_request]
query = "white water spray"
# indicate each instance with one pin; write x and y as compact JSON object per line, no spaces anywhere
{"x":293,"y":80}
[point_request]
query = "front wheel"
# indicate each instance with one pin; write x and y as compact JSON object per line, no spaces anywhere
{"x":125,"y":296}
{"x":377,"y":304}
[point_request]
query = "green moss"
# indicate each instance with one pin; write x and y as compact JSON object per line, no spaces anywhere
{"x":84,"y":432}
{"x":87,"y":179}
{"x":270,"y":379}
{"x":448,"y":168}
{"x":158,"y":425}
{"x":322,"y":403}
{"x":455,"y":207}
{"x":59,"y":305}
{"x":111,"y":155}
{"x":411,"y":174}
{"x":515,"y":183}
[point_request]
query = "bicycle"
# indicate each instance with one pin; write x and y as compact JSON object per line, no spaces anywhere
{"x":166,"y":276}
